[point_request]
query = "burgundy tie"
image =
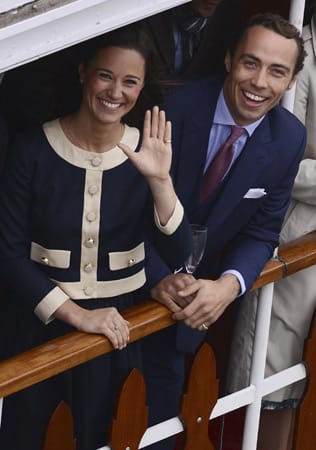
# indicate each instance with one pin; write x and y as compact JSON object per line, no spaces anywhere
{"x":218,"y":167}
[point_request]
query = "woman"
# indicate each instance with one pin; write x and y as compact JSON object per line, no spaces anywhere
{"x":75,"y":207}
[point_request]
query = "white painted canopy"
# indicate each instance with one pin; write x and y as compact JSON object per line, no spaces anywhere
{"x":32,"y":29}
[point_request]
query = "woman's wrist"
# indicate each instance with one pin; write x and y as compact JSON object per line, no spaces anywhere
{"x":69,"y":312}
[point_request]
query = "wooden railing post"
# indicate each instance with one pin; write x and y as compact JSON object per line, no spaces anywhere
{"x":60,"y":431}
{"x":131,"y":418}
{"x":199,"y":400}
{"x":304,"y":435}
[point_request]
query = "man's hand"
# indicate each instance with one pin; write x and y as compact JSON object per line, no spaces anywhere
{"x":210,"y":299}
{"x":166,"y":291}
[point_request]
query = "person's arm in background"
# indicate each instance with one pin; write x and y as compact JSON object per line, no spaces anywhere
{"x":304,"y":189}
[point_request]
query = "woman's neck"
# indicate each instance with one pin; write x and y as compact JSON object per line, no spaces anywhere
{"x":91,"y":136}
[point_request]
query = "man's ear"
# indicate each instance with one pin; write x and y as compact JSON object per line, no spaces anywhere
{"x":228,"y":61}
{"x":292,"y":82}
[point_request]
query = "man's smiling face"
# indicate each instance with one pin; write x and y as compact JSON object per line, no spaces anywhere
{"x":259,"y":73}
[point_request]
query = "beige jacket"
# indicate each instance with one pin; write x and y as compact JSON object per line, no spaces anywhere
{"x":301,"y":216}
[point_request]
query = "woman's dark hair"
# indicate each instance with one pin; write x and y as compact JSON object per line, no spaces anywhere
{"x":131,"y":37}
{"x":279,"y":25}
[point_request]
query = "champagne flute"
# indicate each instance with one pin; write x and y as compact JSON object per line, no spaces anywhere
{"x":199,"y":237}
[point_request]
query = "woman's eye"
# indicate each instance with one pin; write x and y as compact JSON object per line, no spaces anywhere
{"x":104,"y":75}
{"x":130,"y":82}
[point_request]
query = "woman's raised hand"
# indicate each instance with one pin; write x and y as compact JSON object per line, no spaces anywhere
{"x":154,"y":158}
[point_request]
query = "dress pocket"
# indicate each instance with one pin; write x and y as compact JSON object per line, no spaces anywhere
{"x":49,"y":257}
{"x":123,"y":260}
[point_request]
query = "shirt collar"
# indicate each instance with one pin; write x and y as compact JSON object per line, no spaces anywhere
{"x":222,"y":116}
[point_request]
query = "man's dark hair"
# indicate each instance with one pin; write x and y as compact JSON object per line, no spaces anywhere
{"x":279,"y":25}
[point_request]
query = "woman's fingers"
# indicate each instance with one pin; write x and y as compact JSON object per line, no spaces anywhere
{"x":161,"y":125}
{"x":155,"y":125}
{"x":155,"y":122}
{"x":168,"y":133}
{"x":120,"y":329}
{"x":147,"y":125}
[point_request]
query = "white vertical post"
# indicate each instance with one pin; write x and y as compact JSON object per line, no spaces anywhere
{"x":1,"y":405}
{"x":260,"y":345}
{"x":296,"y":18}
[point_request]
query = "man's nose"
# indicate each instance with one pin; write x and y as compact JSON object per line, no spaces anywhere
{"x":260,"y":78}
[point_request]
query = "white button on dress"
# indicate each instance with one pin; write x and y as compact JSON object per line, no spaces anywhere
{"x":88,"y":290}
{"x":96,"y":161}
{"x":91,"y":216}
{"x":93,"y":189}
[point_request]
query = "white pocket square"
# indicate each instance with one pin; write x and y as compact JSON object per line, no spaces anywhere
{"x":255,"y":193}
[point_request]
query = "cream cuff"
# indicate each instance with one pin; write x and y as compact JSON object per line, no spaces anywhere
{"x":48,"y":305}
{"x":174,"y":220}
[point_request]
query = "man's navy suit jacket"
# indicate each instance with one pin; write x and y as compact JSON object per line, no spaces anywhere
{"x":245,"y":213}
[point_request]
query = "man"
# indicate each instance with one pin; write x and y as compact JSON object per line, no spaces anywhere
{"x":191,"y":39}
{"x":290,"y":318}
{"x":244,"y":212}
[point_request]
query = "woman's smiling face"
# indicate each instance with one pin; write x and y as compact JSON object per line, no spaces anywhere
{"x":259,"y":73}
{"x":112,"y":82}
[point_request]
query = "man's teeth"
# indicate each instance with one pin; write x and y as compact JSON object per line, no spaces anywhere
{"x":110,"y":105}
{"x":253,"y":97}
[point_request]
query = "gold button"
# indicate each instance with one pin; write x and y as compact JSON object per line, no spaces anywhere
{"x":131,"y":262}
{"x":88,"y":268}
{"x":45,"y":260}
{"x":89,"y":242}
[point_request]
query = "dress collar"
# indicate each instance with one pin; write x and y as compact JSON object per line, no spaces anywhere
{"x":84,"y":158}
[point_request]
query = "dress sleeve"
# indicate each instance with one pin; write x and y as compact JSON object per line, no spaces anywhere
{"x":24,"y":278}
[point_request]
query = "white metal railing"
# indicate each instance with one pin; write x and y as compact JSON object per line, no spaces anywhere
{"x":250,"y":396}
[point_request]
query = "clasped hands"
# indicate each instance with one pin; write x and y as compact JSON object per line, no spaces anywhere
{"x":196,"y":302}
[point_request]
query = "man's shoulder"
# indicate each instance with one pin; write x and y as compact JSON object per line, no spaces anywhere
{"x":281,"y":116}
{"x":286,"y":128}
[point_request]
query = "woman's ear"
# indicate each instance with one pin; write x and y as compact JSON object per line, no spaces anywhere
{"x":228,"y":61}
{"x":81,"y":72}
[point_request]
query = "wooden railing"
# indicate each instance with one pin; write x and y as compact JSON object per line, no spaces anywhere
{"x":75,"y":348}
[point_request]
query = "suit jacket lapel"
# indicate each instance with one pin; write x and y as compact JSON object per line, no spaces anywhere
{"x":257,"y":155}
{"x":193,"y":153}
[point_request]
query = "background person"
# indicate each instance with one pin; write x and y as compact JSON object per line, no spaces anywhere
{"x":191,"y":39}
{"x":78,"y":198}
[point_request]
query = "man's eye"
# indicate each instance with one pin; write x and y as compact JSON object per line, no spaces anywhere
{"x":250,"y":64}
{"x":278,"y":73}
